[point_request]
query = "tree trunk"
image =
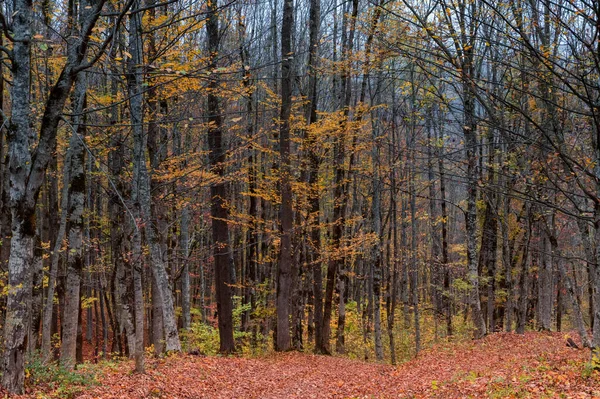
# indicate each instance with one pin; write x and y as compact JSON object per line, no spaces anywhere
{"x":414,"y":275}
{"x":140,"y":195}
{"x":524,"y":280}
{"x":469,"y":130}
{"x":487,"y":255}
{"x":54,"y":260}
{"x":158,"y":332}
{"x":251,"y":276}
{"x":184,"y":249}
{"x":19,"y":139}
{"x":377,"y":272}
{"x":27,"y":166}
{"x":314,"y":162}
{"x":75,"y":209}
{"x":218,"y":192}
{"x":447,"y":294}
{"x":507,"y":260}
{"x":37,"y":297}
{"x":546,"y":284}
{"x":435,"y":261}
{"x":285,"y":267}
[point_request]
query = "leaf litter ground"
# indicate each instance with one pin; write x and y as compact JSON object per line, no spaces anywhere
{"x":503,"y":365}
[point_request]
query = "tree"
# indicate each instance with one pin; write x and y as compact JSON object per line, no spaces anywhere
{"x":219,"y":211}
{"x":285,"y":267}
{"x":76,"y":202}
{"x":28,"y":163}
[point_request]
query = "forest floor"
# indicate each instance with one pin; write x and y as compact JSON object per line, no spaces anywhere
{"x":503,"y":365}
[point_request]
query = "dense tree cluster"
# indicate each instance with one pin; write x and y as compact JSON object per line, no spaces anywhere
{"x":272,"y":165}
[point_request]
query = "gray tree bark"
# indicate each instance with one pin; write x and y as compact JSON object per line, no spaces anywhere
{"x":54,"y":259}
{"x":20,"y":136}
{"x":27,"y":166}
{"x":184,"y":247}
{"x":75,"y":208}
{"x":142,"y":199}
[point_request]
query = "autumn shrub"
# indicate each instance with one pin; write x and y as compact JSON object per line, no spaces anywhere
{"x":201,"y":337}
{"x":432,"y":332}
{"x":62,"y":382}
{"x":242,"y":338}
{"x":355,"y":346}
{"x":204,"y":337}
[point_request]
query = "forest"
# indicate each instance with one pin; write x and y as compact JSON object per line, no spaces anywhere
{"x":364,"y":180}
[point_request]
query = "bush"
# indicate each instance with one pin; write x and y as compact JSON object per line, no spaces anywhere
{"x":204,"y":337}
{"x":64,"y":383}
{"x":201,"y":337}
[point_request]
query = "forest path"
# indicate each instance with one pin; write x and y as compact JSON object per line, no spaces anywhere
{"x":502,"y":365}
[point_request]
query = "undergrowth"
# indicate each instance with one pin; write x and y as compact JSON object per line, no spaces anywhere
{"x":58,"y":380}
